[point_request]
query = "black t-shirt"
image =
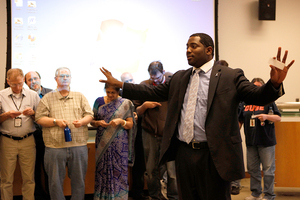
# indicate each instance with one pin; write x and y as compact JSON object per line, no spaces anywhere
{"x":258,"y":135}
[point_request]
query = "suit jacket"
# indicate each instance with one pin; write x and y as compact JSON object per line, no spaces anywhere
{"x":227,"y":87}
{"x":45,"y":90}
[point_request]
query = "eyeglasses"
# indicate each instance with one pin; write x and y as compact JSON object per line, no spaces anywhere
{"x":16,"y":85}
{"x":128,"y":81}
{"x":35,"y":78}
{"x":64,"y":75}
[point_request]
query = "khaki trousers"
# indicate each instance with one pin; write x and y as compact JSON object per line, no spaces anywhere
{"x":24,"y":151}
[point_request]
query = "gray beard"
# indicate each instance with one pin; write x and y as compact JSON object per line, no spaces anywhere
{"x":39,"y":91}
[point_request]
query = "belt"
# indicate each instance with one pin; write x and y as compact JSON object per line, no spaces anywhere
{"x":17,"y":138}
{"x":198,"y":145}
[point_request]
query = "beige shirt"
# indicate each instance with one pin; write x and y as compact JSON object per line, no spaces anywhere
{"x":18,"y":102}
{"x":73,"y":107}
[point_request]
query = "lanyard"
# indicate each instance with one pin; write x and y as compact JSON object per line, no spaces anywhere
{"x":11,"y":96}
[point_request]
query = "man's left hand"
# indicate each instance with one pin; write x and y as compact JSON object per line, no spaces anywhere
{"x":77,"y":123}
{"x":278,"y":75}
{"x":28,"y":111}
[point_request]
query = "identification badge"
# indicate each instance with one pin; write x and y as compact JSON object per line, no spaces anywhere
{"x":252,"y":122}
{"x":18,"y":121}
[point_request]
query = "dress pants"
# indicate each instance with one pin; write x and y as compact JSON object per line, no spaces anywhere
{"x":197,"y":177}
{"x":154,"y":171}
{"x":139,"y":167}
{"x":40,"y":192}
{"x":23,"y":151}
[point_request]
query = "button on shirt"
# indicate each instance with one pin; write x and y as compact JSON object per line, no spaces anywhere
{"x":201,"y":104}
{"x":30,"y":99}
{"x":73,"y":107}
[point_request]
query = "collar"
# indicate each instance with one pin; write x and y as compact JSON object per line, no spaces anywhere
{"x":10,"y":93}
{"x":163,"y":81}
{"x":61,"y":97}
{"x":206,"y":67}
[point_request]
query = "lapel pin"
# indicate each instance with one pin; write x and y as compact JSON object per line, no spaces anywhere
{"x":217,"y":74}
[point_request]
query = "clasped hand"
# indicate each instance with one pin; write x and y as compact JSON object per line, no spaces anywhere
{"x":28,"y":111}
{"x":114,"y":122}
{"x":63,"y":123}
{"x":13,"y":114}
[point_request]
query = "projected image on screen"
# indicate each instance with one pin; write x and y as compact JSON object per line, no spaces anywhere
{"x":130,"y":45}
{"x":121,"y":35}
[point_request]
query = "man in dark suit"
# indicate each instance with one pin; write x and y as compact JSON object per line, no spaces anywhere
{"x":206,"y":165}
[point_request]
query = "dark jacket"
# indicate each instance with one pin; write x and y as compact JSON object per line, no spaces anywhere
{"x":154,"y":119}
{"x":227,"y":87}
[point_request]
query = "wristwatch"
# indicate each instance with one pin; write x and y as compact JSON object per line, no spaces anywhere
{"x":54,"y":122}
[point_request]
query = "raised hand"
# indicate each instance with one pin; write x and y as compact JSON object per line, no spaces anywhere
{"x":110,"y":79}
{"x":278,"y":75}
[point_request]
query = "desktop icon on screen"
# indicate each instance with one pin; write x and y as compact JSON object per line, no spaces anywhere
{"x":19,"y":38}
{"x":31,"y":4}
{"x":18,"y":20}
{"x":19,"y":3}
{"x":18,"y":56}
{"x":32,"y":38}
{"x":31,"y":20}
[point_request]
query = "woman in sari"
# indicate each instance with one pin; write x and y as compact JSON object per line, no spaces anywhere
{"x":114,"y":119}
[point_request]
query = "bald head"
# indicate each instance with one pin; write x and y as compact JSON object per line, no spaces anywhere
{"x":127,"y":77}
{"x":33,"y":80}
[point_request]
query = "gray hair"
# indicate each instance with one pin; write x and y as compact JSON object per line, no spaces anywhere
{"x":61,"y":68}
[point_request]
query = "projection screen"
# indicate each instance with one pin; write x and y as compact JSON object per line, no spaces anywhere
{"x":120,"y":35}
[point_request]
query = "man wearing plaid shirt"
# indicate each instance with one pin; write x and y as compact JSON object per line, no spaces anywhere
{"x":55,"y":111}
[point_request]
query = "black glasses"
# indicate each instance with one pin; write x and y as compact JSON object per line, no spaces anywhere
{"x":128,"y":81}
